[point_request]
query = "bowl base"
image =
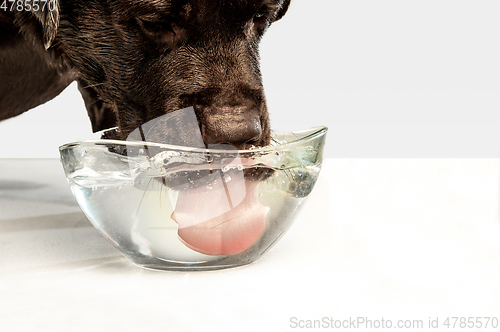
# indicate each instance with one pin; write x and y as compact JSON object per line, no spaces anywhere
{"x":157,"y":264}
{"x":189,"y":267}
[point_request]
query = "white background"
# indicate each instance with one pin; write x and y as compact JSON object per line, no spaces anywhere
{"x":388,"y":238}
{"x":390,"y":78}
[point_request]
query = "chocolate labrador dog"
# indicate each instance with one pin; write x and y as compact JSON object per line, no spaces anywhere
{"x":136,"y":60}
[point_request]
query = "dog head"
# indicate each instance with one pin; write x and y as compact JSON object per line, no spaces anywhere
{"x":147,"y":58}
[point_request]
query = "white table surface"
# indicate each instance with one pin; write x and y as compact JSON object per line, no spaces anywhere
{"x":392,"y":239}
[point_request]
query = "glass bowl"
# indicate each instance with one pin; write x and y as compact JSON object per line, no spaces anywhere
{"x":178,"y":208}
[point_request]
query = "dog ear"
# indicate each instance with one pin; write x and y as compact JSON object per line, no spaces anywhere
{"x":49,"y":18}
{"x":283,"y":9}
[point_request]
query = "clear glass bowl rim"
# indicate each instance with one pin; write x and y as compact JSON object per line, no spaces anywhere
{"x":315,"y":132}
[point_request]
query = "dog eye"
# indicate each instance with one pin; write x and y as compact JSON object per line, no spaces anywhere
{"x":264,"y":13}
{"x":261,"y":16}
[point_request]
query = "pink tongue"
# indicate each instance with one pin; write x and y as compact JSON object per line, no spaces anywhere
{"x":224,"y":218}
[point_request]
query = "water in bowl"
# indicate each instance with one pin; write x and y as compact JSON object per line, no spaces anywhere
{"x":126,"y":200}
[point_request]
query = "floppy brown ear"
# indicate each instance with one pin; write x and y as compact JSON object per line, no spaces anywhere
{"x":283,"y":9}
{"x":49,"y":17}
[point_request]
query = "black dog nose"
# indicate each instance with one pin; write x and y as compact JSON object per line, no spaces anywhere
{"x":237,"y":126}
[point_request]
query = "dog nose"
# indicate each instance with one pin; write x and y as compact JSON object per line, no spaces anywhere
{"x":236,"y":127}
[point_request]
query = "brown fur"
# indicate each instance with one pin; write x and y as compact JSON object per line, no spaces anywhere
{"x":136,"y":60}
